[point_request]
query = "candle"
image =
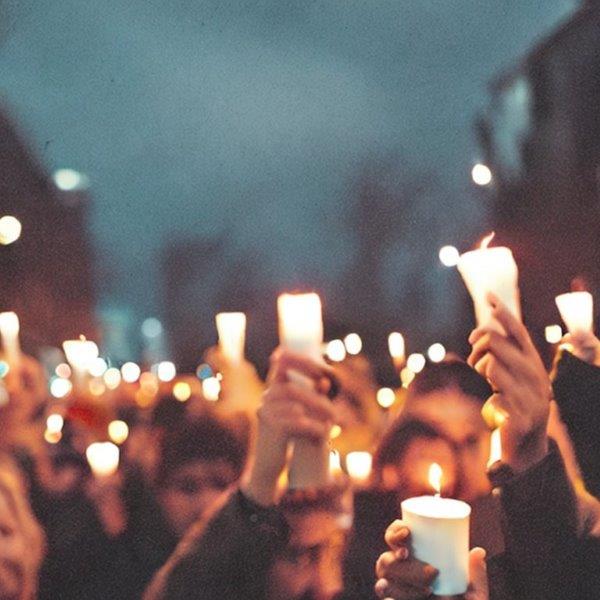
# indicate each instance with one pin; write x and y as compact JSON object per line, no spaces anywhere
{"x":335,"y":465}
{"x":577,"y":311}
{"x":301,"y":330}
{"x":9,"y":330}
{"x":359,"y":465}
{"x":80,"y":354}
{"x":231,"y":327}
{"x":353,"y":344}
{"x":490,"y":270}
{"x":440,"y":536}
{"x":495,"y":448}
{"x":103,"y":458}
{"x":397,"y":348}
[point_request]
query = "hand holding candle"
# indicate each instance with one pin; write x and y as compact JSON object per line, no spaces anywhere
{"x":521,"y":386}
{"x":439,"y":529}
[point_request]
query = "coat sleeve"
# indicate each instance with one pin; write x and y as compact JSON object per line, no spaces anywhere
{"x":226,"y":555}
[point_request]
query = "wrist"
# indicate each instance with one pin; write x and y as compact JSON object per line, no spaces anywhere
{"x":528,"y":453}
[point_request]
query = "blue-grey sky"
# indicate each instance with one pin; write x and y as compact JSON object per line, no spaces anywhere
{"x":190,"y":116}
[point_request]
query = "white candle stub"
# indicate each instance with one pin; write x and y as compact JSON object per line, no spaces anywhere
{"x":103,"y":458}
{"x":9,"y":329}
{"x":231,"y":327}
{"x":577,"y":311}
{"x":440,"y":536}
{"x":81,"y":355}
{"x":490,"y":270}
{"x":495,"y":448}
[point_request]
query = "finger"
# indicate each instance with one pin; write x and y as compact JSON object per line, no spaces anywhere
{"x":410,"y":571}
{"x":513,"y":327}
{"x":390,"y":590}
{"x":315,"y":404}
{"x":478,"y":586}
{"x":397,"y":535}
{"x":498,"y":345}
{"x":283,"y":360}
{"x":306,"y":428}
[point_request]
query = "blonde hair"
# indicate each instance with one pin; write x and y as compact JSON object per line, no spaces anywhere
{"x":14,"y":491}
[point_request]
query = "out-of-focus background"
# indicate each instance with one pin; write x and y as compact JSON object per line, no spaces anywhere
{"x":168,"y":160}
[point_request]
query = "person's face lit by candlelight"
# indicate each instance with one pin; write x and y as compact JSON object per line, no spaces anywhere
{"x":441,"y":423}
{"x":310,"y":566}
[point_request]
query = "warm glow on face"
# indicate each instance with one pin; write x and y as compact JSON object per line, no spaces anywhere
{"x":449,"y":256}
{"x":10,"y":230}
{"x":485,"y":242}
{"x":554,"y":334}
{"x":353,"y":343}
{"x":182,"y":391}
{"x":435,"y":478}
{"x":336,"y":351}
{"x":386,"y":397}
{"x":118,"y":431}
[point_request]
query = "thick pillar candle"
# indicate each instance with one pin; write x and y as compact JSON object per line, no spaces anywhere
{"x":577,"y":311}
{"x":9,"y":330}
{"x":231,"y":327}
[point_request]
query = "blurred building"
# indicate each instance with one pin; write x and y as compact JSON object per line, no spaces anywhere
{"x":541,"y":138}
{"x":47,"y":275}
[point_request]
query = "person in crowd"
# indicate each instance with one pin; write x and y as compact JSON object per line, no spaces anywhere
{"x":256,"y":542}
{"x":22,"y":542}
{"x":545,"y":557}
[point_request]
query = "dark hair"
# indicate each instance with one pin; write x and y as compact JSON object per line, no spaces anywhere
{"x":449,"y":374}
{"x":397,"y":439}
{"x":205,"y":438}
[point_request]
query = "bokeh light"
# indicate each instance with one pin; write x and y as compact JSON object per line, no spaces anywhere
{"x":130,"y":372}
{"x":166,"y":371}
{"x":449,"y":256}
{"x":436,"y":352}
{"x":553,"y":334}
{"x":386,"y":397}
{"x":59,"y":387}
{"x":69,"y":180}
{"x":481,"y":174}
{"x":416,"y":362}
{"x":353,"y":343}
{"x":112,"y":378}
{"x":118,"y":431}
{"x":182,"y":391}
{"x":10,"y":230}
{"x":211,"y":388}
{"x":336,"y":351}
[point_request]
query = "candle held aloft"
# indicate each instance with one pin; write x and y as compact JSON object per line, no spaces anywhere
{"x":440,"y":536}
{"x":490,"y":270}
{"x":9,"y":330}
{"x":359,"y":465}
{"x":231,"y":327}
{"x":577,"y":311}
{"x":301,"y":331}
{"x":103,"y":458}
{"x":80,"y":354}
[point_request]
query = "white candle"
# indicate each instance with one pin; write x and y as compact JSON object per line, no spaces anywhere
{"x":80,"y":354}
{"x":335,"y":465}
{"x":495,"y":448}
{"x":301,"y":330}
{"x":577,"y":311}
{"x":490,"y":270}
{"x":9,"y":329}
{"x":103,"y":458}
{"x":231,"y":327}
{"x":440,"y":536}
{"x":359,"y":465}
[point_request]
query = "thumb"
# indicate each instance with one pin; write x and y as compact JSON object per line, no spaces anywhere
{"x":478,"y":587}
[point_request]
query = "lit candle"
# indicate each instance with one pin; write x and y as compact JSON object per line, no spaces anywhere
{"x":9,"y":329}
{"x":397,"y":349}
{"x":301,"y":330}
{"x":231,"y":327}
{"x":440,"y":536}
{"x":80,"y":354}
{"x":490,"y":270}
{"x":103,"y":458}
{"x":359,"y":465}
{"x":577,"y":311}
{"x":335,"y":465}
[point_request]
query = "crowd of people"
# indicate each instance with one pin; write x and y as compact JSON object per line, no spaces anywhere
{"x":204,"y":505}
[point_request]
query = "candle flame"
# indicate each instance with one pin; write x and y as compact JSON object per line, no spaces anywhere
{"x":485,"y":242}
{"x":435,"y":478}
